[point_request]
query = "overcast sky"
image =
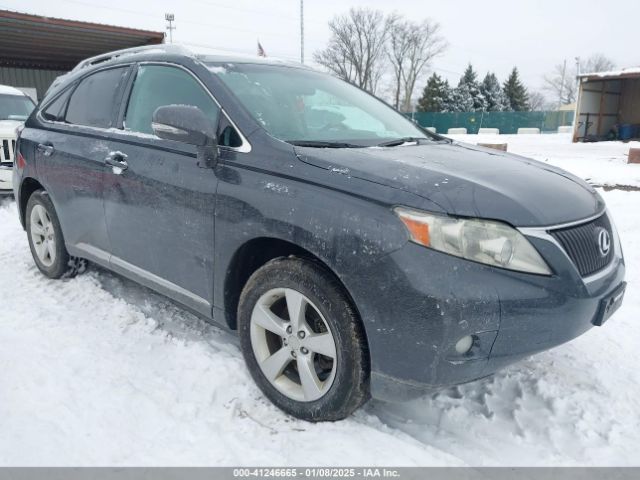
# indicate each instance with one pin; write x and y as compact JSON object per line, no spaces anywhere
{"x":491,"y":34}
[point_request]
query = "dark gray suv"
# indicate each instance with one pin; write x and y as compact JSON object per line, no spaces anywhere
{"x":355,"y":253}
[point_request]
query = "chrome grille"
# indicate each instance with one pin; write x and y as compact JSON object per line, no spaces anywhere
{"x":582,"y":245}
{"x":7,"y":149}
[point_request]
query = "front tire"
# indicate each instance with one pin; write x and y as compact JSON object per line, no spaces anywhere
{"x":302,"y":341}
{"x":46,"y":241}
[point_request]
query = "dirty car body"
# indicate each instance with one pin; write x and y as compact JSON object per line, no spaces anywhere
{"x":196,"y":232}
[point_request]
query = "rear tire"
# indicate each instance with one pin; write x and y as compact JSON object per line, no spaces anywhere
{"x":302,"y":341}
{"x":46,"y":240}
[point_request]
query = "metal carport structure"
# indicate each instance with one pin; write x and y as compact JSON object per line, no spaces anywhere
{"x":607,"y":101}
{"x":34,"y":50}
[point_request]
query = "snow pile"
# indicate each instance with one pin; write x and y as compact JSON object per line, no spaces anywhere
{"x":99,"y":371}
{"x":603,"y":163}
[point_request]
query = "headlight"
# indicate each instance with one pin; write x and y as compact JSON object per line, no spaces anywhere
{"x":483,"y":241}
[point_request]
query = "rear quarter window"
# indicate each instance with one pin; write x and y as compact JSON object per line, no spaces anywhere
{"x":95,"y":100}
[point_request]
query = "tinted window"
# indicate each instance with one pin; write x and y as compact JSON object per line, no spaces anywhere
{"x":94,"y":101}
{"x":157,"y":85}
{"x":56,"y":109}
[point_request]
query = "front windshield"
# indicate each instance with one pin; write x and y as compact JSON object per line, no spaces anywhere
{"x":302,"y":106}
{"x":15,"y":107}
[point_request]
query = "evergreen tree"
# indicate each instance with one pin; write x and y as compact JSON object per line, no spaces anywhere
{"x":493,"y":94}
{"x":461,"y":99}
{"x":516,"y":93}
{"x":436,"y":95}
{"x":469,"y":77}
{"x":468,"y":86}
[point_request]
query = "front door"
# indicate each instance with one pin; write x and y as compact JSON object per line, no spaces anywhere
{"x":159,"y":203}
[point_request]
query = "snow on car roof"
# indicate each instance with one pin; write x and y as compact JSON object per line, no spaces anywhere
{"x":7,"y":90}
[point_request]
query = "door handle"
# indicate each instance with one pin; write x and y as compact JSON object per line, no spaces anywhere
{"x":46,"y":149}
{"x":118,"y":162}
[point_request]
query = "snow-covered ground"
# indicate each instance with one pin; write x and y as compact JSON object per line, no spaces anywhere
{"x":99,"y":371}
{"x":602,"y":163}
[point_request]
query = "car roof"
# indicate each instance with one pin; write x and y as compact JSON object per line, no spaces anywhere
{"x":162,"y":52}
{"x":202,"y":53}
{"x":7,"y":90}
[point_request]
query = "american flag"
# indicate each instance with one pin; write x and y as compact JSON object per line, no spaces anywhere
{"x":261,"y":52}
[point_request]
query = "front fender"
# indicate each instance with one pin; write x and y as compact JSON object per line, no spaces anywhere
{"x":347,"y":223}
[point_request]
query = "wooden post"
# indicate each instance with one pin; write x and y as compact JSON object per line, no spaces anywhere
{"x":634,"y":155}
{"x":600,"y":112}
{"x":496,"y":146}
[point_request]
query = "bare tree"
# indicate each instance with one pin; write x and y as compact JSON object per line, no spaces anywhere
{"x":425,"y":43}
{"x":537,"y":101}
{"x":411,"y":47}
{"x":565,"y":90}
{"x":598,"y":63}
{"x":356,"y":49}
{"x":561,"y":83}
{"x":397,"y":50}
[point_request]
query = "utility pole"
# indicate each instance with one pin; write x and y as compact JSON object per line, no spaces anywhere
{"x":577,"y":79}
{"x":564,"y":73}
{"x":170,"y":17}
{"x":301,"y":31}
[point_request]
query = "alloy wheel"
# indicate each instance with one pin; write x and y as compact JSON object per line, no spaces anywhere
{"x":293,"y":344}
{"x":43,"y":235}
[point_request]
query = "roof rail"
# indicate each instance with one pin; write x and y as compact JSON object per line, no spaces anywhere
{"x":196,"y":51}
{"x":105,"y":57}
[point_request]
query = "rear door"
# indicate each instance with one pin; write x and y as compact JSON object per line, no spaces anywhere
{"x":71,"y":148}
{"x":159,"y":203}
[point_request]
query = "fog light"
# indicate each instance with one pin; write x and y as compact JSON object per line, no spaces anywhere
{"x":464,"y":344}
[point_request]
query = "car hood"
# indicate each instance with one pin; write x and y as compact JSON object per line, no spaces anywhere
{"x":8,"y":128}
{"x":467,"y":180}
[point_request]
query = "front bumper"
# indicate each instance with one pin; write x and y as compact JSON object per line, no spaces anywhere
{"x":424,"y":301}
{"x":6,"y":181}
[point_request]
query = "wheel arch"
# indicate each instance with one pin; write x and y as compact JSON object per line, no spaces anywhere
{"x":252,"y":255}
{"x":27,"y":187}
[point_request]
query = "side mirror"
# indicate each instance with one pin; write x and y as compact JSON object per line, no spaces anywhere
{"x":187,"y":124}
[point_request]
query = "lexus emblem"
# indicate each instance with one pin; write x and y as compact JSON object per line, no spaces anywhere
{"x":604,"y":242}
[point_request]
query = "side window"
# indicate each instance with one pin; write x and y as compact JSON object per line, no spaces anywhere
{"x":56,"y":109}
{"x":94,"y":101}
{"x":158,"y":85}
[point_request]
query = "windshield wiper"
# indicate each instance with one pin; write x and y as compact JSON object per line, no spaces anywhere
{"x":322,"y":144}
{"x":400,"y":141}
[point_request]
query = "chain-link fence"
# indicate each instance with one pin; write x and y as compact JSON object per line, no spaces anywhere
{"x":506,"y":122}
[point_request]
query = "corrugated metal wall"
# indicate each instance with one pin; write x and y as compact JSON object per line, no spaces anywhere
{"x":29,"y":77}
